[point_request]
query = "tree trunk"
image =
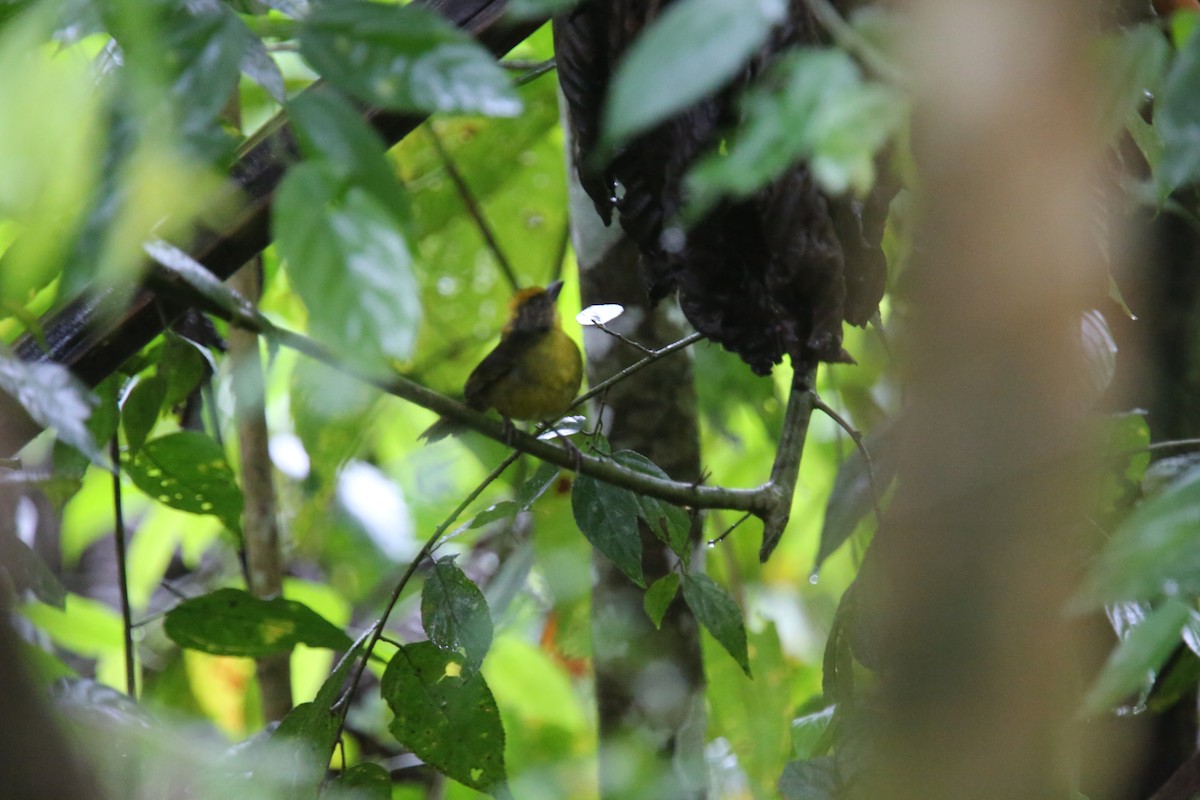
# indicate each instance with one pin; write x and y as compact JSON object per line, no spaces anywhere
{"x":649,"y":683}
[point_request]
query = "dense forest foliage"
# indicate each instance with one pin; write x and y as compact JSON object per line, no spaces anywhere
{"x":881,"y":481}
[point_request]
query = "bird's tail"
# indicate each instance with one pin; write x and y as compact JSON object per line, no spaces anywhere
{"x":441,"y":429}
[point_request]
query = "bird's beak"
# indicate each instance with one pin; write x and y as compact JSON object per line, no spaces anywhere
{"x":553,"y":289}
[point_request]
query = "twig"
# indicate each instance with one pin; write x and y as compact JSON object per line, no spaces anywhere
{"x":622,"y":337}
{"x":122,"y":571}
{"x":729,"y":530}
{"x":853,"y":42}
{"x":1168,"y":445}
{"x":474,"y":209}
{"x":653,"y":356}
{"x":862,"y":449}
{"x":426,"y":550}
{"x":534,"y":72}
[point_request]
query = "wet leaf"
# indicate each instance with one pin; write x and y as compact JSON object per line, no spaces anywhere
{"x":608,"y":517}
{"x":455,"y":614}
{"x":406,"y":58}
{"x":1138,"y":657}
{"x":54,"y":398}
{"x":445,"y":715}
{"x":348,"y":259}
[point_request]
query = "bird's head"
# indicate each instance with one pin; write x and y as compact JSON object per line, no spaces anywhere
{"x":533,"y":309}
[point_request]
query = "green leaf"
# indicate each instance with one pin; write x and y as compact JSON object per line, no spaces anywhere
{"x":815,"y":779}
{"x":362,"y":781}
{"x":1135,"y":660}
{"x":670,"y":523}
{"x":184,"y":364}
{"x":852,"y":496}
{"x":206,"y":49}
{"x":349,"y":261}
{"x":1177,"y":117}
{"x":187,"y":470}
{"x":258,"y":66}
{"x":1132,"y":65}
{"x":445,"y":716}
{"x":314,"y":723}
{"x":608,"y":517}
{"x":54,"y":398}
{"x":331,"y":129}
{"x":1153,"y":554}
{"x":690,"y":51}
{"x":455,"y":614}
{"x":659,"y":596}
{"x":537,"y":485}
{"x":405,"y":58}
{"x":231,"y":622}
{"x":813,"y":104}
{"x":810,"y":733}
{"x":139,"y":410}
{"x":505,"y":509}
{"x":28,"y":570}
{"x":719,"y":614}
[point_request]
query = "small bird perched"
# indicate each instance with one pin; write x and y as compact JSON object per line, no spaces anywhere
{"x":535,"y":371}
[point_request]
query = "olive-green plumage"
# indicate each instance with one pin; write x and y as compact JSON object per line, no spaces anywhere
{"x":533,"y":373}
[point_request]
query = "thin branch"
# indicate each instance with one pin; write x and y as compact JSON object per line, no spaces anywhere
{"x":862,"y":449}
{"x":655,"y":355}
{"x":1168,"y":445}
{"x":852,"y":41}
{"x":122,"y":570}
{"x":646,"y":351}
{"x":427,"y":549}
{"x":474,"y":209}
{"x":729,"y":530}
{"x":534,"y":73}
{"x":180,"y":277}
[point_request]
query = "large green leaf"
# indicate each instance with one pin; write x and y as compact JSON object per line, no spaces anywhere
{"x":719,"y":614}
{"x":446,"y":716}
{"x":232,"y":622}
{"x":405,"y":58}
{"x":1153,"y":554}
{"x":815,"y":105}
{"x":608,"y":517}
{"x":187,"y":470}
{"x":348,"y":259}
{"x":691,"y":50}
{"x":331,"y":129}
{"x":455,"y":614}
{"x":1135,"y":660}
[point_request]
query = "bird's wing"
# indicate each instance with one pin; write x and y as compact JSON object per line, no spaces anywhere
{"x":496,"y":365}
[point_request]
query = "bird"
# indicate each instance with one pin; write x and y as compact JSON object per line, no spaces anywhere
{"x":534,"y":372}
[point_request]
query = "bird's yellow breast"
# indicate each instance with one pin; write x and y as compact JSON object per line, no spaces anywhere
{"x":542,"y":380}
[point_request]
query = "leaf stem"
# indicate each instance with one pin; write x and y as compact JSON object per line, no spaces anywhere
{"x":122,"y":570}
{"x":425,"y":552}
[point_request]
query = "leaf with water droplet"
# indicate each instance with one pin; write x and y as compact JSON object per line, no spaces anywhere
{"x":405,"y":58}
